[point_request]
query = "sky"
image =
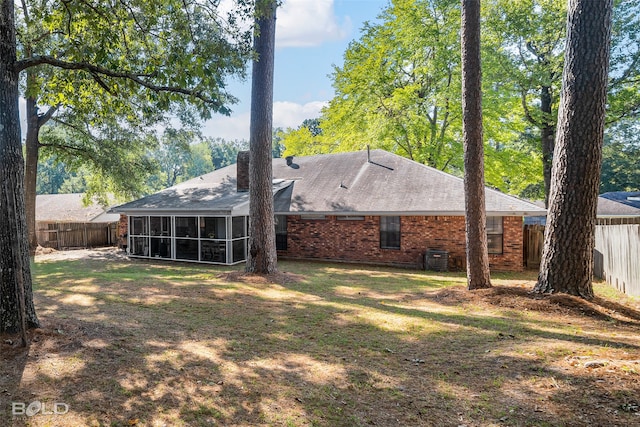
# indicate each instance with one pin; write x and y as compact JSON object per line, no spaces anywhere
{"x":311,"y":37}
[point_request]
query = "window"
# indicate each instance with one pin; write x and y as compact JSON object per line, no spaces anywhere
{"x":239,"y":250}
{"x":213,"y":251}
{"x":140,"y":225}
{"x":186,"y":227}
{"x":494,"y":234}
{"x":139,"y":236}
{"x":350,"y":218}
{"x":281,"y":232}
{"x":213,"y":227}
{"x":238,"y":224}
{"x":160,"y":236}
{"x":390,"y":232}
{"x":160,"y":225}
{"x":187,"y":249}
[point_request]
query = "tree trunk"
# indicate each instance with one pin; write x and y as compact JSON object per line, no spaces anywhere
{"x":262,"y":256}
{"x":547,"y":137}
{"x":16,"y":296}
{"x":32,"y":148}
{"x":478,"y":276}
{"x":567,"y":256}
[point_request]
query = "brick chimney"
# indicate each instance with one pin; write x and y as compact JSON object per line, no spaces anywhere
{"x":242,"y":171}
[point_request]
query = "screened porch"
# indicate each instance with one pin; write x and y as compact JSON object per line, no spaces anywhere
{"x":209,"y":239}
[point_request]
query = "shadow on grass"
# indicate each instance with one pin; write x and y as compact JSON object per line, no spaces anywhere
{"x":138,"y":344}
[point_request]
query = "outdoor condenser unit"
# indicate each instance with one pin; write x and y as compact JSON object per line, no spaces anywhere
{"x":436,"y":260}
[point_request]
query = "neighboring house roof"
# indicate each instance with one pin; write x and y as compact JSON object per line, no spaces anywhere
{"x":613,"y":208}
{"x":629,"y":198}
{"x":341,"y":183}
{"x":69,"y":208}
{"x":606,"y":209}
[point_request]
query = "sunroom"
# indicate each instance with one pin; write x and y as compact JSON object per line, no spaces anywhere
{"x":209,"y":239}
{"x":205,"y":219}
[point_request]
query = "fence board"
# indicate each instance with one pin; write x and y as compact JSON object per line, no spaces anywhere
{"x":533,"y":241}
{"x":617,"y":256}
{"x":63,"y":235}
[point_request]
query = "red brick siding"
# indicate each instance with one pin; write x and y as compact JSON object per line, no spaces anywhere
{"x":512,"y":258}
{"x":123,"y":230}
{"x":359,"y":241}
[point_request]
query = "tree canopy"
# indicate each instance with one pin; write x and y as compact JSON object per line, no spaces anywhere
{"x":103,"y":72}
{"x":107,"y":74}
{"x":399,"y":88}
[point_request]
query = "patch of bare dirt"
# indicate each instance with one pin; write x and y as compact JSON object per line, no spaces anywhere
{"x":108,"y":253}
{"x":522,"y":299}
{"x":41,"y":250}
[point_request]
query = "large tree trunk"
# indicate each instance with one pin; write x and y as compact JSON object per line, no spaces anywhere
{"x":547,"y":136}
{"x":567,"y":257}
{"x":262,"y":257}
{"x":476,"y":236}
{"x":15,"y":275}
{"x":32,"y":148}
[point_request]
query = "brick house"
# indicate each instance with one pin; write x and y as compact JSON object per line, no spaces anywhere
{"x":364,"y":207}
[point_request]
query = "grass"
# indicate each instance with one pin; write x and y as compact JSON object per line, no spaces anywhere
{"x":132,"y":343}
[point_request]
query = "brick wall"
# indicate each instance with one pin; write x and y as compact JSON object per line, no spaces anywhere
{"x":123,"y":231}
{"x":512,"y":258}
{"x":359,"y":241}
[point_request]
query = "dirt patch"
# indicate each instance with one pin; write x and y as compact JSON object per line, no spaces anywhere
{"x":521,"y":298}
{"x":40,"y":250}
{"x":106,"y":254}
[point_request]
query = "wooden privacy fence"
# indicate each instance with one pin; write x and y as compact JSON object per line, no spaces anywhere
{"x":64,"y":235}
{"x":533,"y":240}
{"x":617,"y":256}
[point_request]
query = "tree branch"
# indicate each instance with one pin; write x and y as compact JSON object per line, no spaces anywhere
{"x":93,"y":69}
{"x":525,"y":107}
{"x":43,"y":119}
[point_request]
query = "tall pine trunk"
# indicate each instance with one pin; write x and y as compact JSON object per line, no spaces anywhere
{"x":547,"y":136}
{"x":16,"y":296}
{"x":32,"y":149}
{"x":567,"y":256}
{"x":476,"y":234}
{"x":263,"y":257}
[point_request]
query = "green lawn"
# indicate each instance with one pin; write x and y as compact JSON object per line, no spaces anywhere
{"x":152,"y":344}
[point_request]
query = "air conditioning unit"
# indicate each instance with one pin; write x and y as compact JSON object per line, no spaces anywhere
{"x":436,"y":260}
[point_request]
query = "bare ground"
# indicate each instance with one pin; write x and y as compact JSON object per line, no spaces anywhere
{"x":226,"y":348}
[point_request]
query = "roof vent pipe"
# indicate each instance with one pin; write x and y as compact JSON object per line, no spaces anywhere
{"x":289,"y":160}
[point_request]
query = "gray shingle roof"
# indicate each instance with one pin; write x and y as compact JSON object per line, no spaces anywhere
{"x":341,"y":183}
{"x":388,"y":183}
{"x":608,"y":207}
{"x":214,"y":192}
{"x":69,"y":208}
{"x":629,"y":198}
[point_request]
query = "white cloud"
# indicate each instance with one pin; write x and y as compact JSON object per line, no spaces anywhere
{"x":285,"y":115}
{"x":291,"y":115}
{"x":304,"y":23}
{"x":301,"y":23}
{"x":231,"y":127}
